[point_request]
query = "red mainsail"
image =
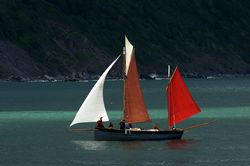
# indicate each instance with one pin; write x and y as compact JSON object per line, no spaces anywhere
{"x":181,"y":105}
{"x":134,"y":107}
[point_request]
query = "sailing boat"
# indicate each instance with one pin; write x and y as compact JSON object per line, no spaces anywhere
{"x":180,"y":105}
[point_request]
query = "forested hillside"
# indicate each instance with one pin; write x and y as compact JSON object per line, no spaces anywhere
{"x":68,"y":39}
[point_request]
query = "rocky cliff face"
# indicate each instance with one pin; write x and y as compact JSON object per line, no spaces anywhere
{"x":15,"y":61}
{"x":78,"y":39}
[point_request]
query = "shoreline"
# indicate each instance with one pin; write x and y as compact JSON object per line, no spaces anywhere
{"x":95,"y":78}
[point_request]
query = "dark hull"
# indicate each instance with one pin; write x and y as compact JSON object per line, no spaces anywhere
{"x":119,"y":135}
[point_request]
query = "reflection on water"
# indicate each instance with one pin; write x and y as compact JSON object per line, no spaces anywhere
{"x":103,"y":145}
{"x":131,"y":145}
{"x":181,"y":143}
{"x":91,"y":145}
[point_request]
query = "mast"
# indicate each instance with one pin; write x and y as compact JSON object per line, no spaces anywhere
{"x":171,"y":113}
{"x":124,"y":78}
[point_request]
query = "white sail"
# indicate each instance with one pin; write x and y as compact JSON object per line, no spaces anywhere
{"x":93,"y":106}
{"x":128,"y":50}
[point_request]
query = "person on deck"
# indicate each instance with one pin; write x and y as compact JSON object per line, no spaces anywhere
{"x":156,"y":127}
{"x":99,"y":123}
{"x":122,"y":124}
{"x":110,"y":125}
{"x":128,"y":125}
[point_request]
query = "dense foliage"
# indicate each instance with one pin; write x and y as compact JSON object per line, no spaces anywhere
{"x":75,"y":36}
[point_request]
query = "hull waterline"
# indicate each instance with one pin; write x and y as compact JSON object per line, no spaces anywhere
{"x":122,"y":135}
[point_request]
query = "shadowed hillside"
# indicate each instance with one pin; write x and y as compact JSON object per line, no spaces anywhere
{"x":76,"y":38}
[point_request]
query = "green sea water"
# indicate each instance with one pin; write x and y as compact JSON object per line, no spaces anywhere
{"x":34,"y":121}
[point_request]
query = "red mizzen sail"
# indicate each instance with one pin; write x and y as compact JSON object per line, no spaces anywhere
{"x":181,"y":105}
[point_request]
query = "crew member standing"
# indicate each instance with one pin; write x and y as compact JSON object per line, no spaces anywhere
{"x":99,"y":123}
